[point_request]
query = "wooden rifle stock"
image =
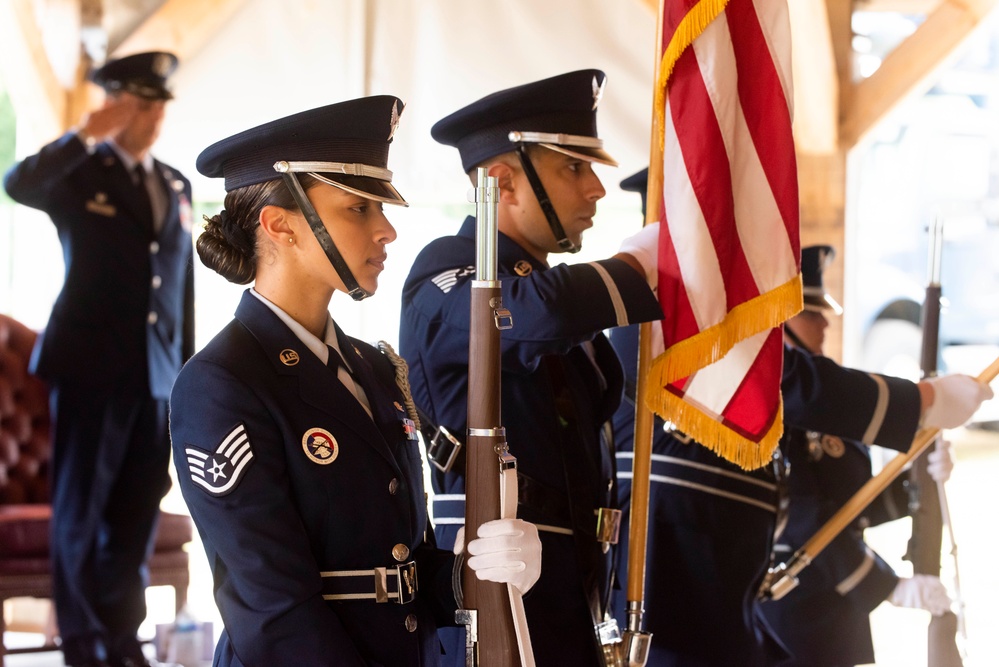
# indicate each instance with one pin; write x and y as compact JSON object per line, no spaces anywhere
{"x":492,"y":612}
{"x":926,"y":496}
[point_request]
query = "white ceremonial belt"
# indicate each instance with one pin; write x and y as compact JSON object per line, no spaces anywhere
{"x":395,"y":583}
{"x":449,"y":510}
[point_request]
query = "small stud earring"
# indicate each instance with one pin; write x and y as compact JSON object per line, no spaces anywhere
{"x":291,"y":239}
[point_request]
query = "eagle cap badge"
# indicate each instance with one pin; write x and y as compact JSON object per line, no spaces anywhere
{"x":394,"y":120}
{"x":598,"y":91}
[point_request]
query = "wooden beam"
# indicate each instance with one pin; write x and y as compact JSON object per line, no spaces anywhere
{"x":907,"y":70}
{"x":816,"y":87}
{"x":901,"y":6}
{"x":32,"y":82}
{"x":180,"y":26}
{"x":840,"y":13}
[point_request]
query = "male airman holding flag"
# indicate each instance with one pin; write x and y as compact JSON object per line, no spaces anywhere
{"x":561,"y":381}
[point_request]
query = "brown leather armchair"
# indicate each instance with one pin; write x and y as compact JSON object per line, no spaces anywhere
{"x":25,"y":448}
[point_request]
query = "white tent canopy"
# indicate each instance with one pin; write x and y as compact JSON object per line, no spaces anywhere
{"x":272,"y":59}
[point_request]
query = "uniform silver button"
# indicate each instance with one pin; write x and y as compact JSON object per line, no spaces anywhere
{"x":152,"y":317}
{"x":411,"y":622}
{"x":157,"y":281}
{"x":394,"y":486}
{"x":400,"y":552}
{"x":154,"y":247}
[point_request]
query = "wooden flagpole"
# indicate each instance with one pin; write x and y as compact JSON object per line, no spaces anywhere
{"x":636,"y":640}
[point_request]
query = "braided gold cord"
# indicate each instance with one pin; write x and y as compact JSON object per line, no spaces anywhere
{"x":401,"y":379}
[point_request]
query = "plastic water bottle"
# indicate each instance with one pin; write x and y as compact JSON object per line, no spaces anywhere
{"x":186,"y":645}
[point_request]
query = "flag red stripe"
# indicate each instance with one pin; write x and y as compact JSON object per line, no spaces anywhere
{"x":680,"y":323}
{"x":708,"y":168}
{"x":766,"y":110}
{"x":753,"y":406}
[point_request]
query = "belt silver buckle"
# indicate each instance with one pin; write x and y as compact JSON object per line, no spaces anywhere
{"x":443,"y":446}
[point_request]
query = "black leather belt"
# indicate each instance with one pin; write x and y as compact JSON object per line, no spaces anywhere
{"x":395,"y":583}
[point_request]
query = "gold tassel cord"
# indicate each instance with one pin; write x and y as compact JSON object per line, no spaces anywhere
{"x":401,"y":380}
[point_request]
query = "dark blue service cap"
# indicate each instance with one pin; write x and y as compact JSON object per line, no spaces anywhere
{"x":142,"y":74}
{"x":559,"y":113}
{"x":814,"y":260}
{"x":345,"y":145}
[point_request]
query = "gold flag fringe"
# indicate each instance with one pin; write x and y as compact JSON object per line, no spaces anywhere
{"x":690,"y":28}
{"x":747,"y":319}
{"x":717,"y":437}
{"x":707,"y":347}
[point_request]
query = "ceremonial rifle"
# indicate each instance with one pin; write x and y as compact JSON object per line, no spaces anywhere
{"x":784,"y":578}
{"x":927,"y":498}
{"x":492,"y":613}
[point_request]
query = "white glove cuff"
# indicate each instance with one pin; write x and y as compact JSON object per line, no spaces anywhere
{"x":644,"y":247}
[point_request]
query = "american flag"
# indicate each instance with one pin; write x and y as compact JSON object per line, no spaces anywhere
{"x":729,"y":251}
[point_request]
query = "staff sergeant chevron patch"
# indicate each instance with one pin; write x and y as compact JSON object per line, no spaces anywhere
{"x":449,"y":278}
{"x":219,"y":472}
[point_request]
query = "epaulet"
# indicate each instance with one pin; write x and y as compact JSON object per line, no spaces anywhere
{"x":401,"y":380}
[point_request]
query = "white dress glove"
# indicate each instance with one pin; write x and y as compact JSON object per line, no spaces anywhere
{"x":940,"y":461}
{"x":955,"y":399}
{"x":644,"y":247}
{"x":923,"y":591}
{"x":507,"y":551}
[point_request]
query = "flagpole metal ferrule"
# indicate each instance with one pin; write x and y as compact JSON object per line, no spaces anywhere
{"x":783,"y":579}
{"x":636,"y":643}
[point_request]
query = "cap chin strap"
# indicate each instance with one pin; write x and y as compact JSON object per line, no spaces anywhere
{"x":355,"y":291}
{"x":546,"y":204}
{"x":789,"y":332}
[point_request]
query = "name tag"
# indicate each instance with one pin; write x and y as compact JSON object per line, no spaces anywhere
{"x":101,"y":208}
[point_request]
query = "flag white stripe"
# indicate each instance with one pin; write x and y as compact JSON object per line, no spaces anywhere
{"x":695,"y":252}
{"x":758,"y":220}
{"x":716,"y":62}
{"x":713,"y":386}
{"x":776,"y":25}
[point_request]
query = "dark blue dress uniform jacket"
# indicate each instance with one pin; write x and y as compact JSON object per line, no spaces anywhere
{"x":100,"y":333}
{"x":711,"y":524}
{"x":286,"y":518}
{"x":825,"y":620}
{"x":558,"y":315}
